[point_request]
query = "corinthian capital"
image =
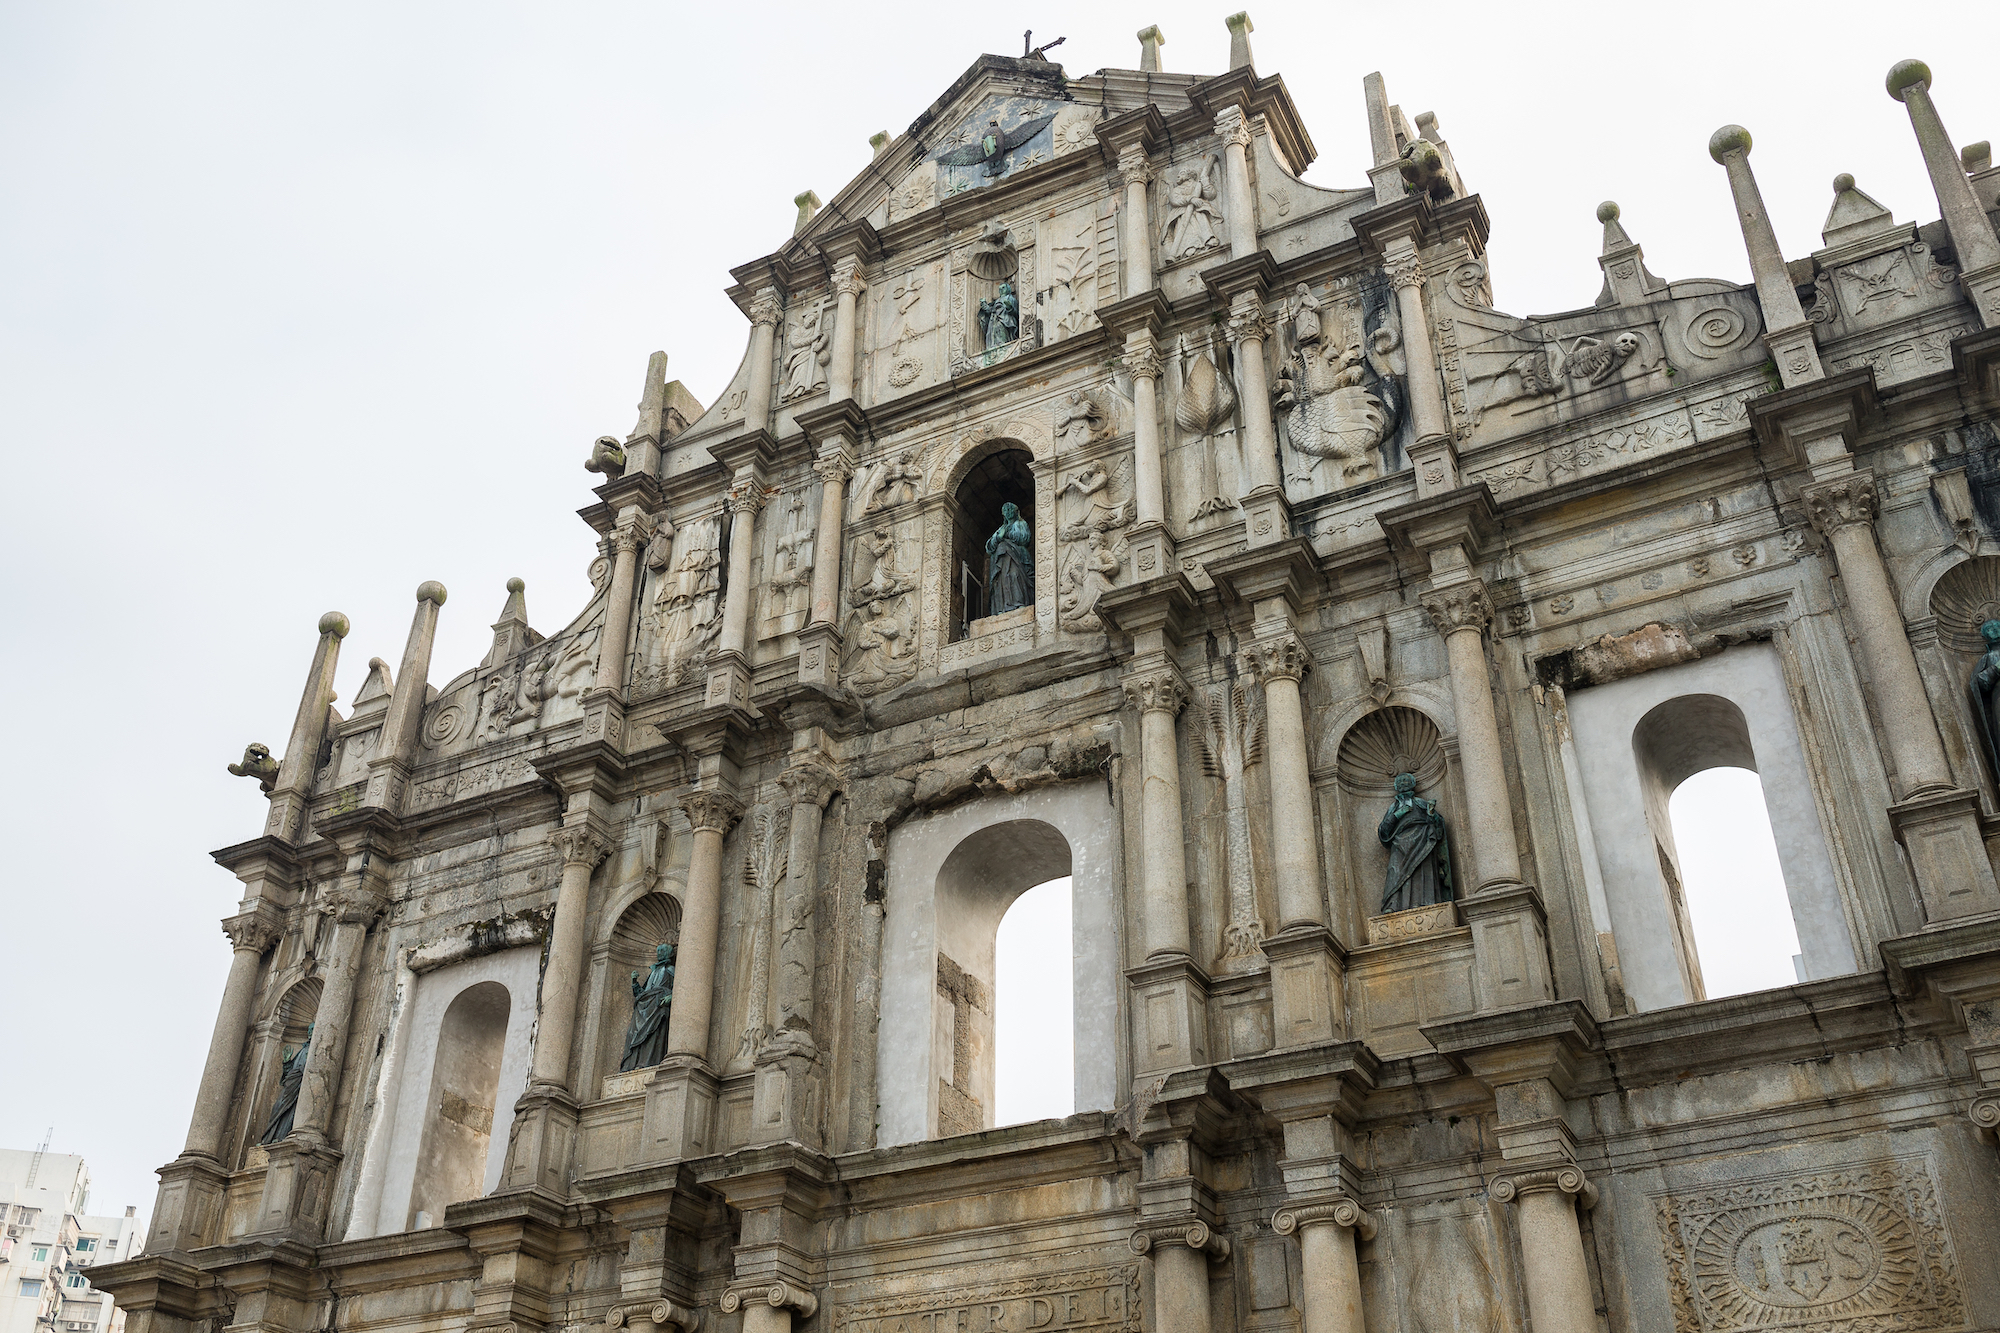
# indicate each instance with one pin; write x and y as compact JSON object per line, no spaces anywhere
{"x":356,"y":902}
{"x":712,"y":810}
{"x":580,"y":845}
{"x":631,"y":533}
{"x":1161,"y":691}
{"x":1248,"y":322}
{"x":767,"y":307}
{"x":847,"y":278}
{"x":1835,"y":504}
{"x":1143,"y":358}
{"x":1334,"y":1212}
{"x":1232,"y":127}
{"x":747,"y":496}
{"x":1134,"y":166}
{"x":810,"y":782}
{"x":1406,"y":271}
{"x":251,"y":932}
{"x":835,"y":466}
{"x":1462,"y":606}
{"x":1282,"y":657}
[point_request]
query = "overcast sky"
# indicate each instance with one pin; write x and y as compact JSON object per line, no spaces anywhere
{"x":303,"y":305}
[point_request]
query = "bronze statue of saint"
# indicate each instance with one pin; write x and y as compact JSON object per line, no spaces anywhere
{"x":1000,"y":318}
{"x":1419,"y":856}
{"x":1983,"y":696}
{"x":1010,"y":563}
{"x":290,"y":1076}
{"x":652,"y":1002}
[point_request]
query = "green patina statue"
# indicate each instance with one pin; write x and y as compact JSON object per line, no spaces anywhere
{"x":291,"y":1075}
{"x":652,"y":1002}
{"x":1984,"y":696}
{"x":1419,"y":856}
{"x":1010,"y":563}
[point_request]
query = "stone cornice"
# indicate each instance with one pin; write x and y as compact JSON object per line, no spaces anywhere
{"x":1790,"y":421}
{"x":1267,"y":97}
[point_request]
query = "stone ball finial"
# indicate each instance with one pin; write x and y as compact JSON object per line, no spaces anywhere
{"x":1843,"y":183}
{"x":1906,"y":74}
{"x":430,"y":590}
{"x":516,"y":585}
{"x":334,"y":623}
{"x":1728,"y":139}
{"x":1607,"y":211}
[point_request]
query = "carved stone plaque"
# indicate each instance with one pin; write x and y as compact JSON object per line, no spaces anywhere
{"x":1846,"y":1251}
{"x":1095,"y":1298}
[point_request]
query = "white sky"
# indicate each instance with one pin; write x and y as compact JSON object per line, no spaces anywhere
{"x":301,"y":306}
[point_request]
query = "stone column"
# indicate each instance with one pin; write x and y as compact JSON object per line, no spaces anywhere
{"x":1462,"y":614}
{"x":355,"y":907}
{"x":1135,"y":168}
{"x":631,"y":533}
{"x":250,"y":935}
{"x":1327,"y":1231}
{"x":389,"y":768}
{"x":1241,"y":204}
{"x":1971,"y":232}
{"x":746,"y":497}
{"x":713,"y":814}
{"x":1159,"y":695}
{"x":765,"y":312}
{"x":1432,"y":455}
{"x":1247,"y":328}
{"x":293,"y":788}
{"x":847,"y":285}
{"x":581,"y":847}
{"x":1844,"y":509}
{"x":811,"y":783}
{"x":1279,"y":663}
{"x":768,"y":1306}
{"x":1552,"y":1263}
{"x":1786,"y":331}
{"x":1148,"y":469}
{"x":834,"y":465}
{"x":1181,"y":1252}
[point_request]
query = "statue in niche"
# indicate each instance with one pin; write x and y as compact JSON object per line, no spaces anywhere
{"x":1419,"y":857}
{"x":1194,"y":223}
{"x":1000,"y":318}
{"x":291,"y":1075}
{"x":810,"y":352}
{"x":1010,"y":563}
{"x":1984,"y":692}
{"x":652,"y":1002}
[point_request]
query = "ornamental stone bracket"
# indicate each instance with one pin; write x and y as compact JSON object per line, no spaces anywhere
{"x":779,"y":1295}
{"x":1189,"y":1231}
{"x":1336,"y":1210}
{"x":1565,"y":1179}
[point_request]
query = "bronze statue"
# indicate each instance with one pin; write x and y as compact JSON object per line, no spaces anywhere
{"x":1000,"y":318}
{"x":1419,"y":856}
{"x":652,"y":1002}
{"x":1010,"y":563}
{"x":290,"y":1076}
{"x":1982,"y":693}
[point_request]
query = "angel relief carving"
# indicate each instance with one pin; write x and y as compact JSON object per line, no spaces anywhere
{"x":881,"y":633}
{"x":1194,"y":223}
{"x":1094,"y":506}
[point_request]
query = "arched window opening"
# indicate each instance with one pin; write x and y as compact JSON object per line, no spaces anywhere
{"x":1034,"y":1007}
{"x":1733,"y":883}
{"x":999,"y":479}
{"x":452,"y":1163}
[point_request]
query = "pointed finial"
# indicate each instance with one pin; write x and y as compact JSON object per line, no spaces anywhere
{"x":1965,"y":219}
{"x":377,"y":686}
{"x":808,"y":205}
{"x":878,"y":141}
{"x":1614,"y":234}
{"x":1789,"y":336}
{"x":1240,"y":29}
{"x":1151,"y":39}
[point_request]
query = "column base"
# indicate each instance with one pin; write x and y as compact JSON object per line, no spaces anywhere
{"x":192,"y":1191}
{"x":1169,"y":1014}
{"x":680,"y":1111}
{"x":1510,"y":943}
{"x":785,"y":1102}
{"x":1940,"y":834}
{"x":544,"y":1143}
{"x":728,"y":682}
{"x":298,"y":1186}
{"x":1308,"y":987}
{"x":1267,"y":516}
{"x":604,"y":717}
{"x":819,"y":657}
{"x":1151,"y":547}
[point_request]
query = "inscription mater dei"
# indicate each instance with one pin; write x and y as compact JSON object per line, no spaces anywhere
{"x":1091,"y":1298}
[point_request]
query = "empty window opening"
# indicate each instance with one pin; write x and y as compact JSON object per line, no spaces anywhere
{"x":999,"y":479}
{"x":1733,"y":884}
{"x":1034,"y":1008}
{"x":452,"y":1164}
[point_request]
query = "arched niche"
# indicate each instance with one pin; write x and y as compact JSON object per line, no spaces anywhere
{"x":1963,"y":598}
{"x":996,"y":473}
{"x":952,"y":875}
{"x":1638,"y":739}
{"x":646,"y":922}
{"x":1373,"y":750}
{"x":462,"y":1104}
{"x":291,"y":1016}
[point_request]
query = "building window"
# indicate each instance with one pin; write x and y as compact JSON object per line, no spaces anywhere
{"x":85,"y":1245}
{"x":41,"y":1255}
{"x":74,"y":1280}
{"x":31,"y":1286}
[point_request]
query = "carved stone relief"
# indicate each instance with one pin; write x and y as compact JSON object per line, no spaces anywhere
{"x":1094,"y":507}
{"x":1339,"y":390}
{"x":1079,"y":254}
{"x":1205,"y":410}
{"x":1228,"y":732}
{"x":1003,"y":134}
{"x":1567,"y":460}
{"x":1189,"y":192}
{"x":1906,"y":358}
{"x":768,"y":834}
{"x":1086,"y":1298}
{"x":1843,"y":1251}
{"x":965,"y":336}
{"x":908,"y":311}
{"x":881,"y":627}
{"x":788,"y":576}
{"x":683,"y":615}
{"x":808,"y":350}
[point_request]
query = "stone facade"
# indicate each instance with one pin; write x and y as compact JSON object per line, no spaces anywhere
{"x":1307,"y":513}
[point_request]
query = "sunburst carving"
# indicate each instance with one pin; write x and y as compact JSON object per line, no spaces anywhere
{"x":1965,"y":598}
{"x":655,"y":919}
{"x":1387,"y":742}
